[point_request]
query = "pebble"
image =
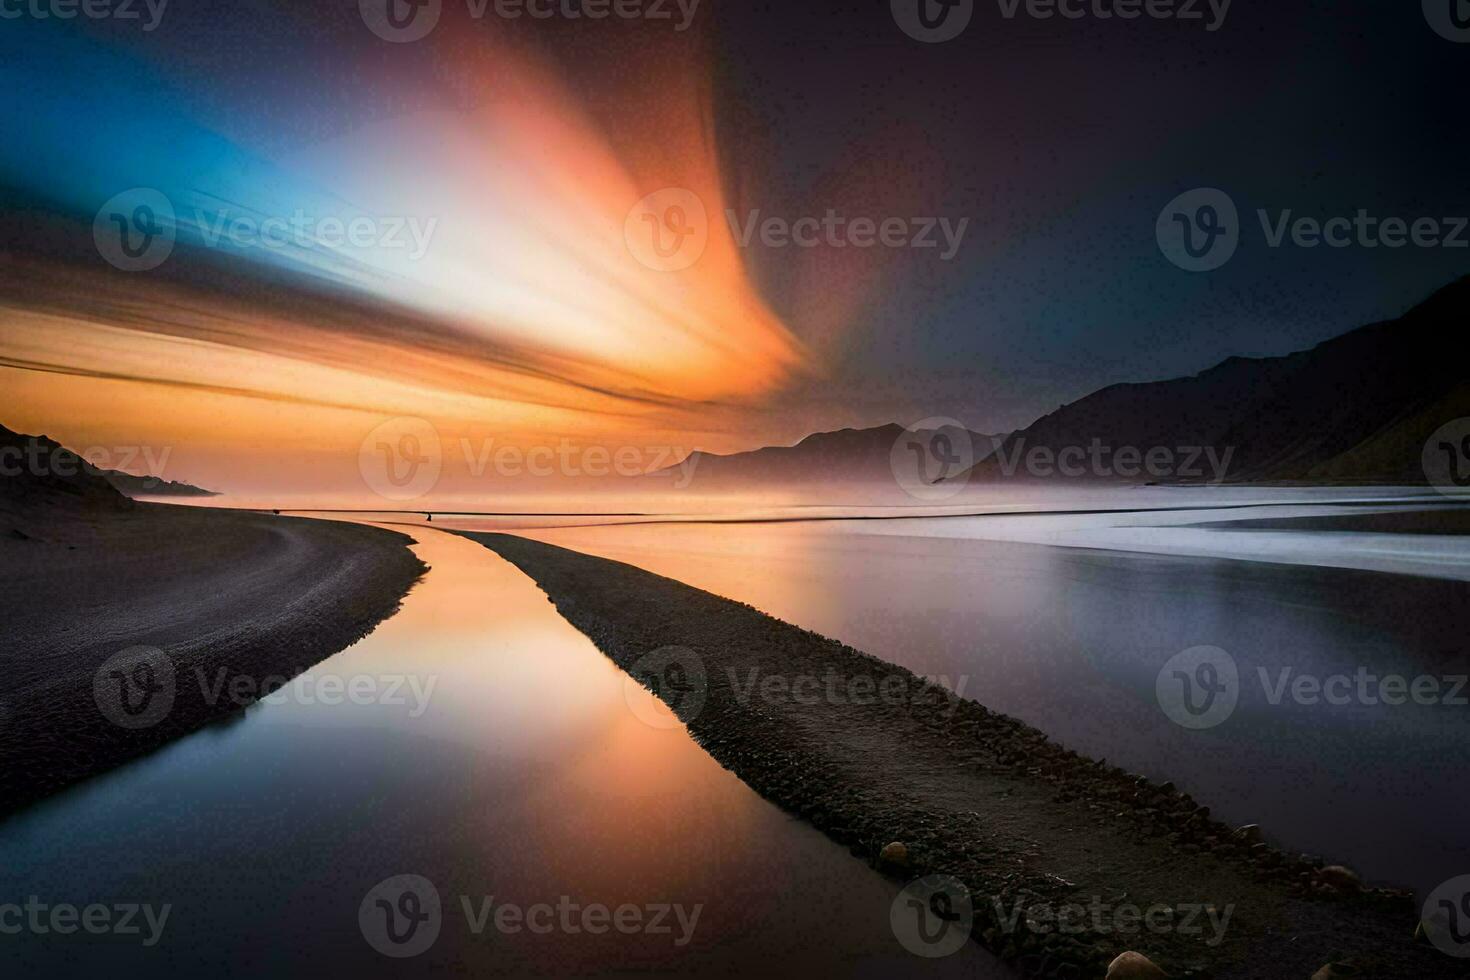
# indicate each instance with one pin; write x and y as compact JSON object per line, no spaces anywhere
{"x":1251,"y":833}
{"x":1134,"y":966}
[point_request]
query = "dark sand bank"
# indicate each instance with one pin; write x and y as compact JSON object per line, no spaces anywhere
{"x":1445,"y":520}
{"x":227,"y":595}
{"x":1024,"y":823}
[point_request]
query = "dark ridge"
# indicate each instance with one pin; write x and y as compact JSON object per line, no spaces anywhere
{"x":1355,"y":409}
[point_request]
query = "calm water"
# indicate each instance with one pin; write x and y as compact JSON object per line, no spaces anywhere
{"x":1038,"y":622}
{"x":522,"y":773}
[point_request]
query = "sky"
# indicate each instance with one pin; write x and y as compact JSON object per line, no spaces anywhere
{"x":662,"y":233}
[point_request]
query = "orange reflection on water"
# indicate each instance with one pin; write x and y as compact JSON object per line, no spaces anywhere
{"x":600,"y":792}
{"x":783,"y":570}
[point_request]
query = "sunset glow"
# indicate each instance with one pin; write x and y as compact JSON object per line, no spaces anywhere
{"x":493,"y":291}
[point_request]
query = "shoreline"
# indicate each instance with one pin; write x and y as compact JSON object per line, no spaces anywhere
{"x":1027,"y":825}
{"x":242,"y":599}
{"x":1443,"y":521}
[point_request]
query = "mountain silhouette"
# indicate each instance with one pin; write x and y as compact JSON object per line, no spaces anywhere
{"x":1354,"y":409}
{"x":846,"y":456}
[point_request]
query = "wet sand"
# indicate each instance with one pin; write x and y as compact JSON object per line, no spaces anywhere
{"x":211,"y":596}
{"x":974,"y":794}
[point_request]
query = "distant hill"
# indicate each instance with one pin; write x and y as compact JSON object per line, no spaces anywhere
{"x":34,"y":492}
{"x":1354,"y":409}
{"x":847,"y":456}
{"x":39,"y":473}
{"x":151,"y":486}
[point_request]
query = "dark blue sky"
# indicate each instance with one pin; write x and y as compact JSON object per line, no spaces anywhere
{"x":1062,"y":140}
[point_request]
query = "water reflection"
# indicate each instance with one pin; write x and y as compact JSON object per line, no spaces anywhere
{"x":525,"y":777}
{"x":1072,"y":640}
